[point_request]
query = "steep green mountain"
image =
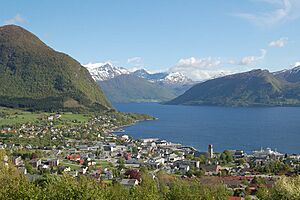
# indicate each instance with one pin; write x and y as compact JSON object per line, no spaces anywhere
{"x":34,"y":76}
{"x":130,"y":88}
{"x":253,"y":88}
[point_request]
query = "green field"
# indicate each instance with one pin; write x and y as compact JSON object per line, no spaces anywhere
{"x":11,"y":117}
{"x":71,"y":165}
{"x":102,"y":163}
{"x":82,"y":118}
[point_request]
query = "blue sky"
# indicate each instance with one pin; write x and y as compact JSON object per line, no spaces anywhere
{"x":197,"y":38}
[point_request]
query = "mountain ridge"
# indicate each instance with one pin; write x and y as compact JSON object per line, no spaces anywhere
{"x":252,"y":88}
{"x":151,"y":87}
{"x":106,"y":71}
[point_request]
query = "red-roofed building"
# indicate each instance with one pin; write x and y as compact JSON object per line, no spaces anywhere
{"x":235,"y":198}
{"x":81,"y":162}
{"x":73,"y":157}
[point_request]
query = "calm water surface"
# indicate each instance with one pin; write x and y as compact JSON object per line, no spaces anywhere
{"x":226,"y":128}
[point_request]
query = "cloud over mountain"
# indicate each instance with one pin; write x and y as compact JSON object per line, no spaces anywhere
{"x":200,"y":68}
{"x":248,"y":60}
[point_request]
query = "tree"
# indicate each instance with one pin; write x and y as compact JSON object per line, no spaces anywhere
{"x":28,"y":167}
{"x":147,"y":190}
{"x":286,"y":188}
{"x":189,"y":157}
{"x":202,"y":159}
{"x":134,"y":150}
{"x":241,"y":161}
{"x":262,"y":193}
{"x":121,"y":163}
{"x":258,"y":181}
{"x":133,"y":174}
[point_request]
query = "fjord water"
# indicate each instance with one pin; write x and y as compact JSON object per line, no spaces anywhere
{"x":225,"y":127}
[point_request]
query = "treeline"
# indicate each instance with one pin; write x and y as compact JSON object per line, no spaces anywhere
{"x":49,"y":104}
{"x":15,"y":186}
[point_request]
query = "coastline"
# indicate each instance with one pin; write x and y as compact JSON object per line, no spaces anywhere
{"x":115,"y":130}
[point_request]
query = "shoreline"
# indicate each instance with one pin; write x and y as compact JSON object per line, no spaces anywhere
{"x":120,"y":131}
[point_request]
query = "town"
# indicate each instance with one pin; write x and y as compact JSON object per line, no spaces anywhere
{"x":92,"y":148}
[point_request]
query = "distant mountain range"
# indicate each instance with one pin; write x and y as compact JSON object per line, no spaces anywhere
{"x":121,"y":85}
{"x":130,"y":88}
{"x":36,"y":77}
{"x":105,"y":71}
{"x":171,"y":78}
{"x":150,"y":76}
{"x":253,"y":88}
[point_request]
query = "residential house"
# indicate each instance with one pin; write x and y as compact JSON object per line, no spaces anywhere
{"x":211,"y":169}
{"x":129,"y":182}
{"x":54,"y":162}
{"x":109,"y":175}
{"x":73,"y":157}
{"x":191,"y":163}
{"x":17,"y":161}
{"x":82,"y":170}
{"x":64,"y":169}
{"x":184,"y":169}
{"x":36,"y":162}
{"x":132,"y":163}
{"x":23,"y":170}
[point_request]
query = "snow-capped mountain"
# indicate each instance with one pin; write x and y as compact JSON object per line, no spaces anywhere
{"x":219,"y":75}
{"x":105,"y":71}
{"x":143,"y":73}
{"x":176,"y":78}
{"x":290,"y":75}
{"x":294,"y":70}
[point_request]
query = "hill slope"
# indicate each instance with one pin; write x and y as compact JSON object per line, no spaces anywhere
{"x":253,"y":88}
{"x":130,"y":88}
{"x":32,"y":75}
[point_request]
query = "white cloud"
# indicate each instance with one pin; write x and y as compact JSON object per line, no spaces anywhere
{"x":279,"y":43}
{"x":135,"y":63}
{"x":200,"y":69}
{"x":283,"y":11}
{"x":199,"y":63}
{"x":248,"y":60}
{"x":134,"y":60}
{"x":232,"y":62}
{"x":18,"y":19}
